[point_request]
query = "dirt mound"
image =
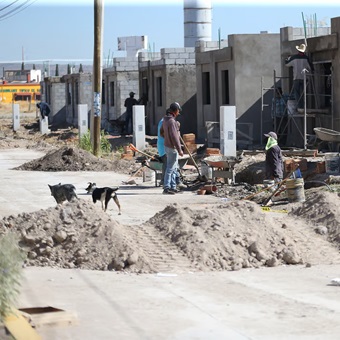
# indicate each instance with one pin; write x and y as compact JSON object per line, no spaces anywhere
{"x":240,"y":235}
{"x":235,"y":235}
{"x":75,"y":159}
{"x":323,"y":211}
{"x":77,"y":234}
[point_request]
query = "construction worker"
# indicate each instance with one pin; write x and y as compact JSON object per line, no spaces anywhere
{"x":274,"y":159}
{"x":300,"y":63}
{"x":172,"y":146}
{"x":129,"y":103}
{"x":162,"y":156}
{"x":44,"y":109}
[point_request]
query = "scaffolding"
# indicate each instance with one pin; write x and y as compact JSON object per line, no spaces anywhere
{"x":317,"y":111}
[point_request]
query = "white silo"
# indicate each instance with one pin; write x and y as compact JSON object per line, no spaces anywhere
{"x":197,"y":21}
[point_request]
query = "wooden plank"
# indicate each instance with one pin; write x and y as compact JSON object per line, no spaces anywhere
{"x":49,"y":316}
{"x":19,"y":327}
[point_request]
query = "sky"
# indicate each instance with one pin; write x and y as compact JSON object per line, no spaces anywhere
{"x":63,"y":31}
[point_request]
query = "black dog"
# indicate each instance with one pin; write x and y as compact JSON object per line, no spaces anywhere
{"x":63,"y":192}
{"x":105,"y":194}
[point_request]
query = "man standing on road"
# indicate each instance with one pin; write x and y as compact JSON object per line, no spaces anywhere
{"x":162,"y":155}
{"x":172,"y":145}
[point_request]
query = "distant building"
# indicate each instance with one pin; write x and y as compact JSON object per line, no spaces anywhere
{"x":12,"y":92}
{"x":18,"y":85}
{"x":26,"y":76}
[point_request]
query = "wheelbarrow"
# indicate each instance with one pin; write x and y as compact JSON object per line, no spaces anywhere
{"x":156,"y":165}
{"x":329,"y":136}
{"x":222,"y":166}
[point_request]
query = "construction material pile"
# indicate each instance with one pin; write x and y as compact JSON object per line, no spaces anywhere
{"x":231,"y":236}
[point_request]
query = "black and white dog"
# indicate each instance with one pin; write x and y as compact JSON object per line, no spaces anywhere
{"x":104,"y":195}
{"x":63,"y":192}
{"x":91,"y":186}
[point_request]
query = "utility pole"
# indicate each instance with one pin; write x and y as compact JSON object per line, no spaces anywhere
{"x":97,"y":75}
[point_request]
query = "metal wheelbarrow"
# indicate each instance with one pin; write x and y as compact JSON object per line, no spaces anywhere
{"x":222,"y":166}
{"x":157,"y":165}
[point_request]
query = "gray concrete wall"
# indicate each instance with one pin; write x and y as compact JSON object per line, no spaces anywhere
{"x":248,"y":59}
{"x":124,"y":75}
{"x":80,"y":83}
{"x":176,"y":69}
{"x":54,"y":95}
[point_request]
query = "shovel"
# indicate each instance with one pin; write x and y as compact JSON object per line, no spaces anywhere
{"x":279,"y":185}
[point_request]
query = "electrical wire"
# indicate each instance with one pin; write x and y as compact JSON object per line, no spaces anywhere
{"x":16,"y":10}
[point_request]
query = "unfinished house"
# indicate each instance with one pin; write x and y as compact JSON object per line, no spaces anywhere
{"x":78,"y":90}
{"x":53,"y":93}
{"x":233,"y":73}
{"x":118,"y":81}
{"x":165,"y":78}
{"x":322,"y":104}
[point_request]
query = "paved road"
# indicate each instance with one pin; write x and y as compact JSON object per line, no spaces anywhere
{"x":288,"y":302}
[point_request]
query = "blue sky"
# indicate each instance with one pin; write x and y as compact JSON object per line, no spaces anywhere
{"x":63,"y":30}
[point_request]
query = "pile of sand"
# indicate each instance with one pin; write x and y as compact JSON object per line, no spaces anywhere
{"x":231,"y":236}
{"x":76,"y":159}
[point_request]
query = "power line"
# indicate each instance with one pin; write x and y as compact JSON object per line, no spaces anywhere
{"x":16,"y":10}
{"x":3,"y":8}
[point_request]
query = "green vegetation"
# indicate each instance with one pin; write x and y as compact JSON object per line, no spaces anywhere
{"x":85,"y":143}
{"x":11,"y":258}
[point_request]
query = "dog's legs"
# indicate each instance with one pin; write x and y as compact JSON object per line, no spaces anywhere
{"x":115,"y":198}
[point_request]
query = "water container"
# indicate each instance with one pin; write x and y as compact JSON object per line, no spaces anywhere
{"x":206,"y":170}
{"x":149,"y":175}
{"x":295,"y":190}
{"x":332,"y":162}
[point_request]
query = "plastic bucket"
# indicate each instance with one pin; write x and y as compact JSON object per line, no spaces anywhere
{"x":206,"y":170}
{"x":149,"y":175}
{"x":295,"y":190}
{"x":332,"y":162}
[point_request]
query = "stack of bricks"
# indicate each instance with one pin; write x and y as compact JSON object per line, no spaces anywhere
{"x":212,"y":152}
{"x":189,"y":140}
{"x":127,"y":154}
{"x":294,"y":164}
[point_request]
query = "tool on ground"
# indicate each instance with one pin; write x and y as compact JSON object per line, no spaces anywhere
{"x":279,"y":185}
{"x":133,"y":175}
{"x":200,"y":177}
{"x":258,"y":192}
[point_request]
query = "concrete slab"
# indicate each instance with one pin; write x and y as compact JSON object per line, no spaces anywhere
{"x":288,"y":302}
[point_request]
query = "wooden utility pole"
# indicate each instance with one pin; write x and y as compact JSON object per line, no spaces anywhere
{"x":97,"y":75}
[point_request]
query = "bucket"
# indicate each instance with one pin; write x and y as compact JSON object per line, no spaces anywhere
{"x":295,"y":190}
{"x":149,"y":175}
{"x":206,"y":170}
{"x":332,"y":162}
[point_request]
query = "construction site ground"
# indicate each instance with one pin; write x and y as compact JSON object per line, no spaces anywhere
{"x":185,"y":266}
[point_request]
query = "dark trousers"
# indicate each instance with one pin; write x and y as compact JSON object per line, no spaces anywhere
{"x":128,"y":119}
{"x":298,"y":91}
